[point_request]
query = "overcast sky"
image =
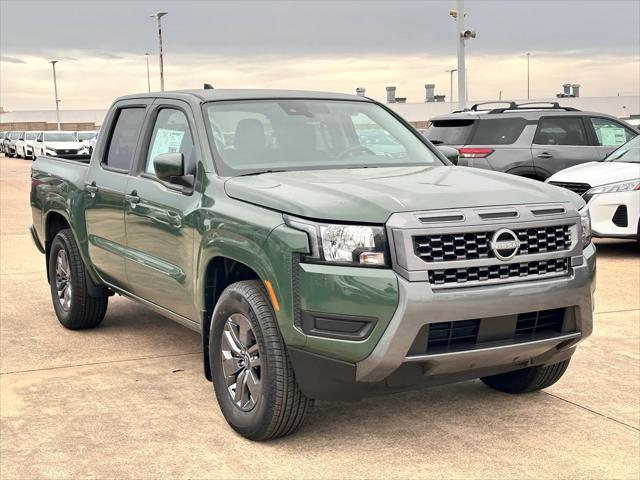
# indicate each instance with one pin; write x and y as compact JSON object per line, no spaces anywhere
{"x":321,"y":45}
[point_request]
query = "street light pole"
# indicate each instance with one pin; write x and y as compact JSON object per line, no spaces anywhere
{"x":159,"y":15}
{"x":148,"y":74}
{"x":55,"y":90}
{"x":450,"y":72}
{"x":528,"y":83}
{"x":461,"y":60}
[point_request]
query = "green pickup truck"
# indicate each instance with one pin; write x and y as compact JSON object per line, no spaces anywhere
{"x":314,"y":265}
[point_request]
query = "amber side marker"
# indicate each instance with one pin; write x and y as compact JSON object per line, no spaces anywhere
{"x":272,"y":295}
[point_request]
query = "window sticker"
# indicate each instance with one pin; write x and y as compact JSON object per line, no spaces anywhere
{"x":165,"y":141}
{"x":610,"y":136}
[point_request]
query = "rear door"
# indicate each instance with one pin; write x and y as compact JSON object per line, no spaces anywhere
{"x":105,"y":186}
{"x":160,"y":231}
{"x":609,"y":134}
{"x":561,"y":142}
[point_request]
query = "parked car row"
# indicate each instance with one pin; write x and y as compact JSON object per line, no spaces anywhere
{"x":32,"y":143}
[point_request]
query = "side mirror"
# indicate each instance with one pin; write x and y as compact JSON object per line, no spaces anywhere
{"x":168,"y":165}
{"x":449,"y":152}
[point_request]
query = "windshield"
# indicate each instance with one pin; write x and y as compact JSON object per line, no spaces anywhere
{"x":30,"y":135}
{"x":59,"y":137}
{"x":300,"y":134}
{"x":14,"y":135}
{"x":86,"y":135}
{"x":629,"y":152}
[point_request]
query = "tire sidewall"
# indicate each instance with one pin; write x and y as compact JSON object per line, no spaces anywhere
{"x":256,"y":420}
{"x":64,"y":316}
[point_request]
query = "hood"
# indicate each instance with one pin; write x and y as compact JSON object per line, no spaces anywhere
{"x":598,"y":173}
{"x":63,"y":145}
{"x":373,"y":194}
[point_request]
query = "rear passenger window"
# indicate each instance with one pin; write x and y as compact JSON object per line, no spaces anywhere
{"x":499,"y":131}
{"x":124,"y":138}
{"x":170,"y":134}
{"x":610,"y":133}
{"x":561,"y":131}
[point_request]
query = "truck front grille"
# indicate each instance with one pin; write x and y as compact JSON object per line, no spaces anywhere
{"x":460,"y":335}
{"x":497,"y":272}
{"x":476,"y":245}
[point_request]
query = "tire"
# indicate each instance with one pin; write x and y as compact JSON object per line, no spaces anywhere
{"x":527,"y":379}
{"x":278,"y":407}
{"x":74,"y":307}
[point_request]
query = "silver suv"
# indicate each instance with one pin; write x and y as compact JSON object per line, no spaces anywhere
{"x":534,"y":140}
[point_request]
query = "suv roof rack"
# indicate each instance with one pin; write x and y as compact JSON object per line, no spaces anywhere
{"x":475,"y":108}
{"x":532,"y":106}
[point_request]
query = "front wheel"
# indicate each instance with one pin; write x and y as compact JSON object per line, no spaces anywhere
{"x":527,"y":379}
{"x":74,"y":307}
{"x":252,"y":375}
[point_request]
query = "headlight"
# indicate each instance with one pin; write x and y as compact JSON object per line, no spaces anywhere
{"x":585,"y":227}
{"x":626,"y":186}
{"x":359,"y":245}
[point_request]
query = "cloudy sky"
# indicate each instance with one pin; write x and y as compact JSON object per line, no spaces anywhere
{"x":319,"y":45}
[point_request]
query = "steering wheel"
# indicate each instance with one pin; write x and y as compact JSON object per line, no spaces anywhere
{"x":351,"y":151}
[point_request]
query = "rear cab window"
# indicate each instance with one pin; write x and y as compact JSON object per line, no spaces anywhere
{"x":450,"y":132}
{"x":124,"y":138}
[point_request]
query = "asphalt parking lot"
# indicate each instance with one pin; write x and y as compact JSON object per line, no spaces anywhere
{"x":128,"y":400}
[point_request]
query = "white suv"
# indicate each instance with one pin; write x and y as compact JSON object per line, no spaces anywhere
{"x":59,"y":144}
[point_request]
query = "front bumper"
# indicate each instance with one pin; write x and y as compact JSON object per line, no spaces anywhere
{"x":391,"y":366}
{"x":603,"y":209}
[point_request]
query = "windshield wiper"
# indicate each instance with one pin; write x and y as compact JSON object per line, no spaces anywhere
{"x":260,"y":172}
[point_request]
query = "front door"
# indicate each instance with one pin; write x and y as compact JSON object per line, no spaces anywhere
{"x":561,"y":142}
{"x":105,"y":186}
{"x":160,"y":229}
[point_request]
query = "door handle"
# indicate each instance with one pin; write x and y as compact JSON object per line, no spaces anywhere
{"x":545,"y":155}
{"x":175,"y":219}
{"x":91,"y":189}
{"x":132,"y":198}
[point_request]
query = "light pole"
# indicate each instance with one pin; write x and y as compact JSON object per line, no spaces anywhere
{"x":462,"y":35}
{"x":528,"y":83}
{"x":148,"y":75}
{"x":450,"y":72}
{"x":55,"y":91}
{"x":159,"y":15}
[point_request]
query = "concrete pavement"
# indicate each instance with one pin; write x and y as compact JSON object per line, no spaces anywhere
{"x":128,"y":399}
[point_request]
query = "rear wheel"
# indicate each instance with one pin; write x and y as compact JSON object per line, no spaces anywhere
{"x":74,"y":307}
{"x":252,"y":375}
{"x":527,"y":379}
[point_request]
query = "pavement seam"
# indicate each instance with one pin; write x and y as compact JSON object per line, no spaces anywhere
{"x":607,"y":417}
{"x":101,"y":363}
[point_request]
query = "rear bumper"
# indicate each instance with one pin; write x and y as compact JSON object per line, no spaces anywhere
{"x":392,"y":366}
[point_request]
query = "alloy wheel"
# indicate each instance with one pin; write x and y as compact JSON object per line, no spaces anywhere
{"x":241,"y":363}
{"x":63,"y":279}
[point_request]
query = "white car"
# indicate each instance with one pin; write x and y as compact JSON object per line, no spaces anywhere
{"x":88,"y":139}
{"x":24,"y":145}
{"x":59,"y":144}
{"x":611,"y":189}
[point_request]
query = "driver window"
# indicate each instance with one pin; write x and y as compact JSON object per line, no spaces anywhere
{"x":171,"y":134}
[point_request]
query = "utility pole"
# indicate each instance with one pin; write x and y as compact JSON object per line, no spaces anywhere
{"x":450,"y":72}
{"x":528,"y":83}
{"x":461,"y":36}
{"x":148,"y":74}
{"x":159,"y":15}
{"x":55,"y":90}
